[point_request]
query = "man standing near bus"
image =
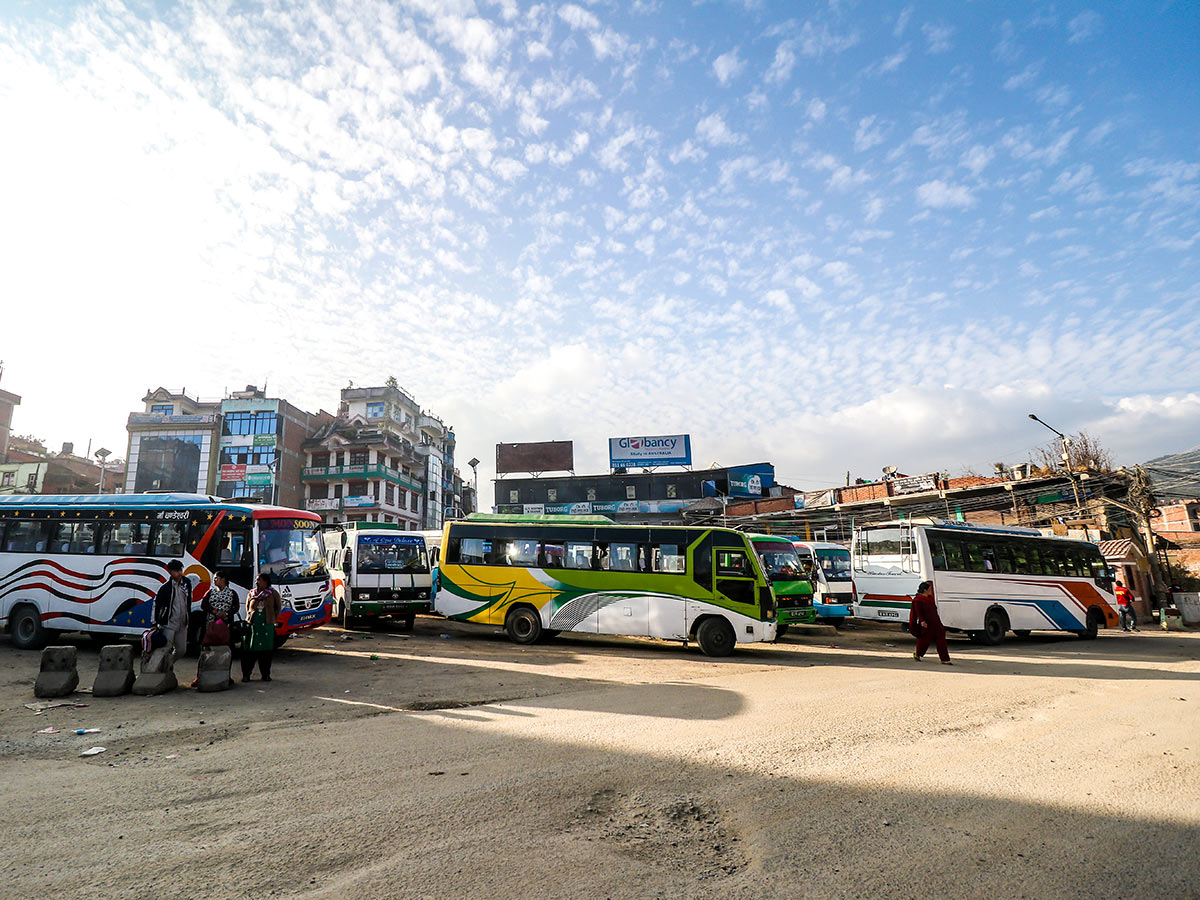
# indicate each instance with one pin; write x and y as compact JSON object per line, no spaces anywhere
{"x":925,"y":623}
{"x":1125,"y":606}
{"x":172,"y":606}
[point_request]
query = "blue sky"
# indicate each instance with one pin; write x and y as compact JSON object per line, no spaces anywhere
{"x":834,"y":236}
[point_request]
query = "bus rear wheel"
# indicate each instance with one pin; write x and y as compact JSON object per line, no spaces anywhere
{"x":28,"y":632}
{"x":780,"y":631}
{"x":995,"y":624}
{"x":523,"y":625}
{"x":715,"y":637}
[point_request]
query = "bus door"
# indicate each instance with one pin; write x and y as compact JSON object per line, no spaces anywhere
{"x":733,"y":572}
{"x":233,"y":551}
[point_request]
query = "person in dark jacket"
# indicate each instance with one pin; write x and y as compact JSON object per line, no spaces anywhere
{"x":173,"y":606}
{"x":262,"y":609}
{"x":925,"y":623}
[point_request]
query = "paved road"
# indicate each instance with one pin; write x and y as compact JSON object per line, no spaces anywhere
{"x":463,"y":766}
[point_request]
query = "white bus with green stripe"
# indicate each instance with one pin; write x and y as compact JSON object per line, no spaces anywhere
{"x":539,"y":576}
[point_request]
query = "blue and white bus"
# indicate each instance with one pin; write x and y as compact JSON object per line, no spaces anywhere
{"x":93,"y":562}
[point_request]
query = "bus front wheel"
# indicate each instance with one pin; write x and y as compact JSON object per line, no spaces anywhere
{"x":523,"y":625}
{"x":27,"y":630}
{"x":715,"y":637}
{"x":1094,"y":618}
{"x":780,"y":631}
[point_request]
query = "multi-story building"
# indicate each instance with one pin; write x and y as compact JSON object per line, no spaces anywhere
{"x":383,"y":459}
{"x":32,"y":469}
{"x":7,"y":402}
{"x":173,"y":444}
{"x":261,"y":452}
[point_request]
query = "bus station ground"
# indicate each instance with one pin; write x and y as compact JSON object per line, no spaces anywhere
{"x":450,"y":763}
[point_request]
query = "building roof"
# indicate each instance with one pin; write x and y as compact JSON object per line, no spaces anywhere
{"x":1117,"y":549}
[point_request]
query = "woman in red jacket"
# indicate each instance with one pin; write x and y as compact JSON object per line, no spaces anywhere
{"x":926,"y":625}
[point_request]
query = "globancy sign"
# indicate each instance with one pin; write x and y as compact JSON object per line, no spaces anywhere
{"x":657,"y":450}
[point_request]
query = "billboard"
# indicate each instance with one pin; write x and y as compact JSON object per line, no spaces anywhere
{"x":535,"y":456}
{"x":655,"y":450}
{"x":914,"y":484}
{"x":751,"y":481}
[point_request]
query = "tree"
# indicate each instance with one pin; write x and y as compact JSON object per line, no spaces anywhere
{"x":392,"y":383}
{"x":1086,"y":454}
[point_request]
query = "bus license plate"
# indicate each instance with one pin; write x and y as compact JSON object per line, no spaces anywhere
{"x":888,"y":614}
{"x":307,"y":617}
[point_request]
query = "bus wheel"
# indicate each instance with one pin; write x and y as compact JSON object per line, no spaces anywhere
{"x":780,"y":631}
{"x":995,"y":624}
{"x":347,"y":619}
{"x":280,"y":640}
{"x":1023,"y":633}
{"x":408,"y":620}
{"x":1094,"y":618}
{"x":523,"y":625}
{"x":715,"y":637}
{"x":27,"y":630}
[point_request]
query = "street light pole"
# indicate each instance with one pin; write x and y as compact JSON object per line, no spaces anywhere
{"x":1066,"y":445}
{"x":473,"y":462}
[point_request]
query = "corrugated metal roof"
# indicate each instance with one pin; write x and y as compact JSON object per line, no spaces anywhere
{"x":1115,"y":549}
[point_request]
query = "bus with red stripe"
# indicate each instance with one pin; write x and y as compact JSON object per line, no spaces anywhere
{"x":987,"y":580}
{"x":93,"y":563}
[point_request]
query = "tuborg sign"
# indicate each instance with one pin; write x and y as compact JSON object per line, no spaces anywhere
{"x":659,"y":450}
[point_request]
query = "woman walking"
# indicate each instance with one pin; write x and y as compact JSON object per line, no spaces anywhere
{"x":925,"y":623}
{"x":262,"y":609}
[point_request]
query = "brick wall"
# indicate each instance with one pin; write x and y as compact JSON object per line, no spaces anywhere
{"x":855,"y":492}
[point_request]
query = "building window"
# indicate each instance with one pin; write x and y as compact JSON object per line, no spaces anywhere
{"x":168,"y":463}
{"x":266,"y":422}
{"x":591,"y":493}
{"x":318,"y":492}
{"x":320,"y":459}
{"x":359,"y":457}
{"x":8,"y":479}
{"x":337,"y":458}
{"x":375,"y":410}
{"x":31,"y":481}
{"x":552,"y":494}
{"x":414,"y":502}
{"x":247,"y":456}
{"x":514,"y":496}
{"x":630,"y":492}
{"x":389,"y":493}
{"x":357,"y":489}
{"x":163,"y":409}
{"x":671,"y":492}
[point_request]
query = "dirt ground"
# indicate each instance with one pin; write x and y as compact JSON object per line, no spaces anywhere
{"x":450,"y":763}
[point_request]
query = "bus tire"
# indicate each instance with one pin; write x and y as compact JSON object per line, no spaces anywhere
{"x":995,"y":625}
{"x":1022,"y":632}
{"x":1094,"y":619}
{"x":280,"y":640}
{"x":25,"y":624}
{"x":780,"y":631}
{"x":408,"y":620}
{"x":523,"y":624}
{"x":715,"y":637}
{"x":347,"y":619}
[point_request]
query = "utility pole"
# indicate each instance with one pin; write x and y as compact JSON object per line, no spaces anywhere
{"x":1142,"y":503}
{"x":1066,"y":455}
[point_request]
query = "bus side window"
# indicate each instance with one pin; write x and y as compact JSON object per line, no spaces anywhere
{"x":25,"y":537}
{"x":733,"y":564}
{"x":551,"y":555}
{"x":579,"y":555}
{"x":166,"y":539}
{"x":622,"y":557}
{"x":125,"y":537}
{"x":955,"y":559}
{"x":938,"y":553}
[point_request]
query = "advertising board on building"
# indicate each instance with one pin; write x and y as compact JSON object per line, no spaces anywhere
{"x":233,"y":473}
{"x":323,"y":503}
{"x":751,"y":481}
{"x":258,"y":478}
{"x":814,"y":498}
{"x":914,"y":484}
{"x":352,"y":502}
{"x":534,"y":509}
{"x":264,"y":440}
{"x":655,"y":450}
{"x":535,"y":456}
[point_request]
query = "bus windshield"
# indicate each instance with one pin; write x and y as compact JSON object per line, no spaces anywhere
{"x":779,"y":560}
{"x":290,"y":550}
{"x":385,"y":554}
{"x":835,"y":564}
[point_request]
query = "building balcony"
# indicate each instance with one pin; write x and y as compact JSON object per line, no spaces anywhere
{"x":358,"y":473}
{"x":157,"y":419}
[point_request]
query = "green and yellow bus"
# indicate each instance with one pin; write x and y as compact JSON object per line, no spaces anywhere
{"x":538,"y":576}
{"x":793,"y":589}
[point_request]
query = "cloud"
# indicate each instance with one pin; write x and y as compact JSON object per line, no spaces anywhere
{"x":867,"y":136}
{"x":728,"y":66}
{"x":1083,"y":27}
{"x":782,"y":65}
{"x":815,"y":109}
{"x":578,"y":17}
{"x":713,"y":131}
{"x":937,"y":37}
{"x":940,"y":195}
{"x":977,"y":158}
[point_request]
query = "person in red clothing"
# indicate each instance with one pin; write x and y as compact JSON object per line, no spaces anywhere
{"x":926,"y":625}
{"x":1125,"y":606}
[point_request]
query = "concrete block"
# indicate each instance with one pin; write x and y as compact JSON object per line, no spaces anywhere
{"x":59,"y":675}
{"x":115,"y":676}
{"x":158,"y":673}
{"x":212,"y":670}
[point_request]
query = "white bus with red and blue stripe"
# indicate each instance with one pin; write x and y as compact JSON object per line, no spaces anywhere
{"x":93,"y":563}
{"x":987,"y":580}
